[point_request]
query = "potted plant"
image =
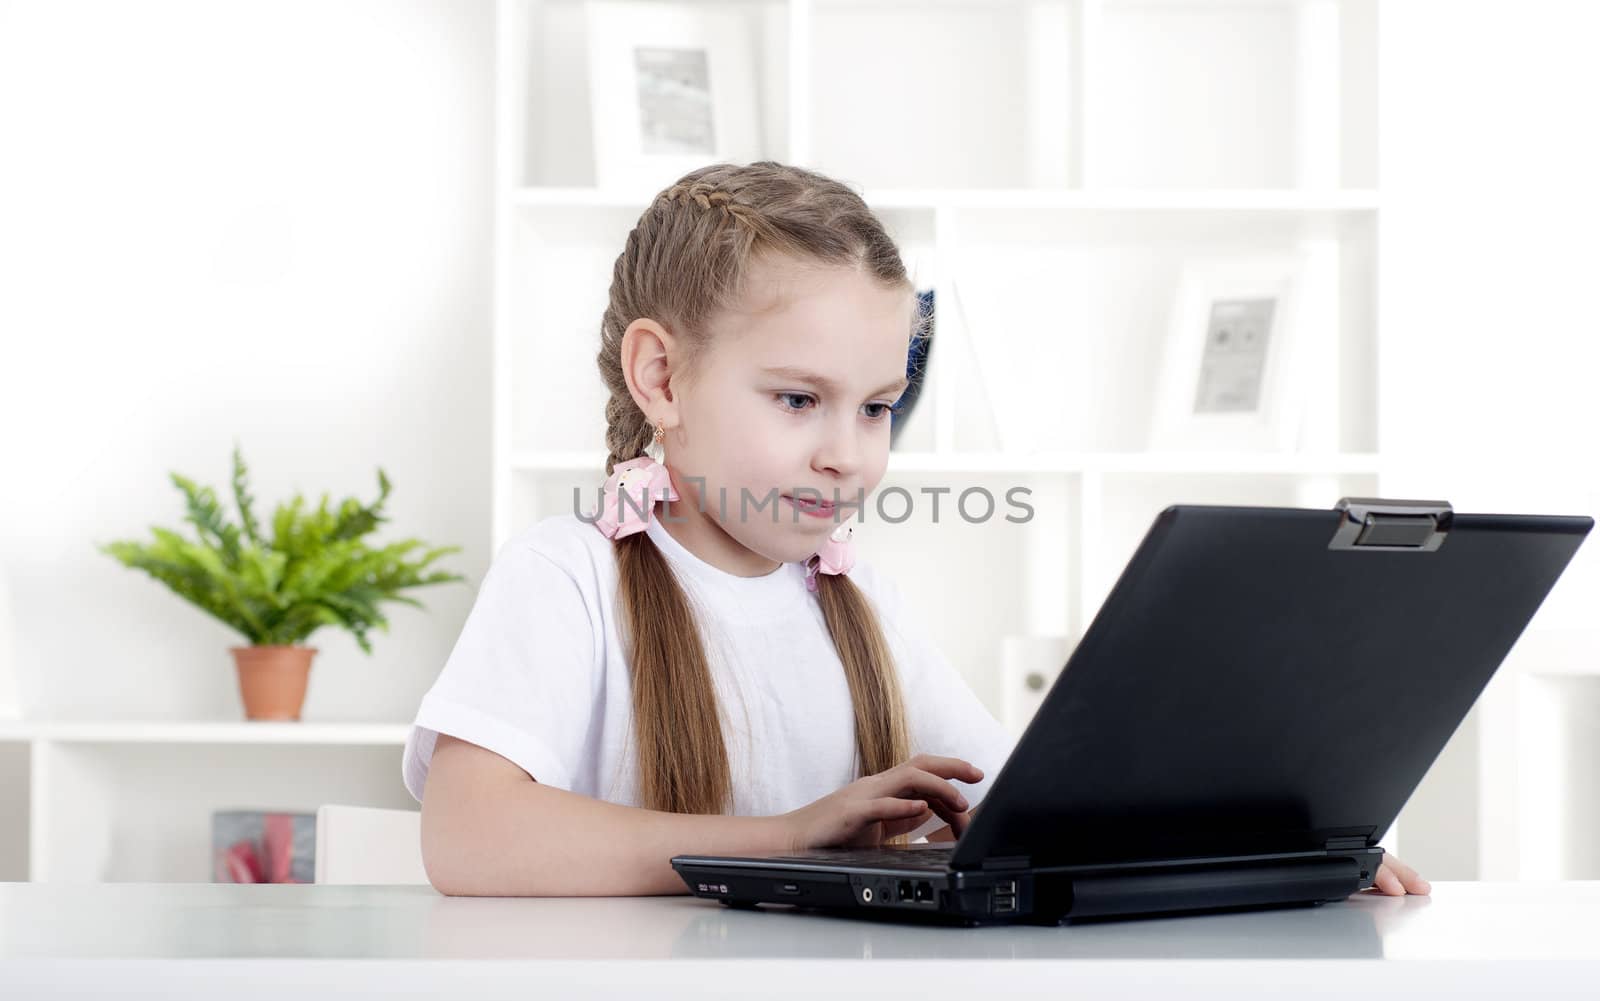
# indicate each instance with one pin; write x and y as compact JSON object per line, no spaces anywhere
{"x":313,"y":570}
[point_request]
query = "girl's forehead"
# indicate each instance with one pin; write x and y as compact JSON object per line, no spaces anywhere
{"x":778,"y":287}
{"x":837,"y":322}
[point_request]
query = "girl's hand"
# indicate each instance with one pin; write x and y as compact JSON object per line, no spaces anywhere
{"x":870,"y":810}
{"x":954,"y":830}
{"x":1397,"y":879}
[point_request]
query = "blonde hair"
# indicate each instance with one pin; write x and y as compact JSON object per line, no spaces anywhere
{"x":686,"y":260}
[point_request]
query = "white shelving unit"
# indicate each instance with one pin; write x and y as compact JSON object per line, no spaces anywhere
{"x":1080,"y":153}
{"x":218,"y":732}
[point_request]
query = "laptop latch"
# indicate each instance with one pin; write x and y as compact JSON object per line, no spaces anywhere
{"x":1372,"y":523}
{"x":1344,"y":844}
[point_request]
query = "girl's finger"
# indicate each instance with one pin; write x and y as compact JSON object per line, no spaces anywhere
{"x":908,"y":782}
{"x":1409,"y":877}
{"x":890,"y":808}
{"x":943,"y":811}
{"x":1411,"y":881}
{"x":894,"y":828}
{"x":950,"y":768}
{"x":1387,"y":882}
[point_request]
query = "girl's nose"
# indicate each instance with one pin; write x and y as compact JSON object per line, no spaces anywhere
{"x":838,"y":453}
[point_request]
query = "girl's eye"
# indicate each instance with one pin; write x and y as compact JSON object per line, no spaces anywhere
{"x":876,"y":412}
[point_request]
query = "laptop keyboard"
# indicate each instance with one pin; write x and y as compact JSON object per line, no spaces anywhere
{"x":883,"y":855}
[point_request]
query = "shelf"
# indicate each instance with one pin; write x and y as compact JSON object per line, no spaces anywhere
{"x":932,"y":199}
{"x":1068,"y":94}
{"x":1135,"y":463}
{"x":1110,"y":463}
{"x":205,"y":732}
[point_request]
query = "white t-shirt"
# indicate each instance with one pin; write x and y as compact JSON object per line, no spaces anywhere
{"x":538,"y":676}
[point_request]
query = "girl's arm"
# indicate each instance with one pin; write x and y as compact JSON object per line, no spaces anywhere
{"x":488,"y":830}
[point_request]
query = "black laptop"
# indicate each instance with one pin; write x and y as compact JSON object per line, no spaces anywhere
{"x":1257,"y":698}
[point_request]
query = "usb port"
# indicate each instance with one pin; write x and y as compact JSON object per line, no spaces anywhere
{"x":1006,"y":888}
{"x":1005,"y":905}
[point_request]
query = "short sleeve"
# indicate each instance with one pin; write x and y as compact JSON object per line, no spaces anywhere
{"x":522,"y":677}
{"x":945,"y":716}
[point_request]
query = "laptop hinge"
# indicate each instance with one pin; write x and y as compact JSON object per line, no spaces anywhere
{"x":1344,"y":844}
{"x":1007,"y":862}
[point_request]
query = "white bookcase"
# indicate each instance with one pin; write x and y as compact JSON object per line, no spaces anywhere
{"x":1051,"y":165}
{"x":1054,"y":162}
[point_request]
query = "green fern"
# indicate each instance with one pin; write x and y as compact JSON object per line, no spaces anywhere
{"x":314,"y":571}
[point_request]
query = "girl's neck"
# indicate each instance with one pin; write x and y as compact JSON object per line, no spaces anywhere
{"x":698,"y":532}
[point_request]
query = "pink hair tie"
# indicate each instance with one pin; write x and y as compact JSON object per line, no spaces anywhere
{"x":630,"y":494}
{"x":836,"y":555}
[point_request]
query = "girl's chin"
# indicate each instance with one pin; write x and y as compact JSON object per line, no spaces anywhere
{"x":794,"y":549}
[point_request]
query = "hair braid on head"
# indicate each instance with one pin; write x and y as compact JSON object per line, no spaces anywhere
{"x":708,"y":196}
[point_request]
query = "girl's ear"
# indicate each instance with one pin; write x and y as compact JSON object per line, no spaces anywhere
{"x":648,"y":349}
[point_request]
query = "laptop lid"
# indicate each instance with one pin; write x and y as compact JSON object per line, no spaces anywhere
{"x":1268,"y":679}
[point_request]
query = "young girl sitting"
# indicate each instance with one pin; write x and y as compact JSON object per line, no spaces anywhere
{"x":701,"y":665}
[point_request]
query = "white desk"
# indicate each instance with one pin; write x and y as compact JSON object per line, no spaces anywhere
{"x":206,"y":940}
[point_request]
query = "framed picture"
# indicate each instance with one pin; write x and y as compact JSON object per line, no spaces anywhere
{"x":1230,"y":357}
{"x":672,"y":87}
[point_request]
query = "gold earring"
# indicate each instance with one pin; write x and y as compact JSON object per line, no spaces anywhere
{"x":655,"y":450}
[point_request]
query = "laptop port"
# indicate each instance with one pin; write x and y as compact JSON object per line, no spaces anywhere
{"x":905,"y":889}
{"x":1005,"y":905}
{"x":791,"y":889}
{"x":1006,"y":888}
{"x":924,"y":891}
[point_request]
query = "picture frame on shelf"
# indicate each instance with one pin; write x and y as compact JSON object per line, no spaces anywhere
{"x":672,"y":87}
{"x":1230,"y":359}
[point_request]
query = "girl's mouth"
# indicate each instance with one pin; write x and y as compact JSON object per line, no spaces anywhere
{"x":811,"y":506}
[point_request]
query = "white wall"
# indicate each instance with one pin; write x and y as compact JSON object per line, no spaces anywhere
{"x":1489,"y":391}
{"x":267,"y":222}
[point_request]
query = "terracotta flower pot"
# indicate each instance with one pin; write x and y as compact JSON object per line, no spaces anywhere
{"x":272,"y":679}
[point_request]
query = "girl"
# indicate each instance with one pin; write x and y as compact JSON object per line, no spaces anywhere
{"x":702,"y":665}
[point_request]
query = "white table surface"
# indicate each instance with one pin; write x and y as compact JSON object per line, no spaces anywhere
{"x":220,"y":940}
